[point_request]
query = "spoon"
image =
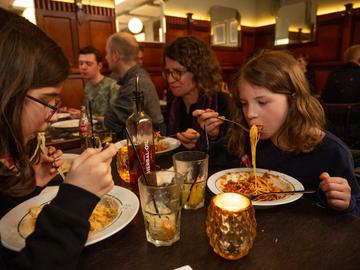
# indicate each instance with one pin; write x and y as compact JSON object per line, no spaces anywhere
{"x":253,"y":197}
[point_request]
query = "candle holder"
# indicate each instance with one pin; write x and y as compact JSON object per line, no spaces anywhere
{"x":231,"y":225}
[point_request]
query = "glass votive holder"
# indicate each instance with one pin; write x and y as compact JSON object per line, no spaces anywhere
{"x":231,"y":225}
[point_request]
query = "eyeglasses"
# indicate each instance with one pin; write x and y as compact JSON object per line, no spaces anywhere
{"x":175,"y":74}
{"x":54,"y":108}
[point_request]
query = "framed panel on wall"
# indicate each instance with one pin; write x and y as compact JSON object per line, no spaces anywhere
{"x":233,"y":32}
{"x":219,"y":36}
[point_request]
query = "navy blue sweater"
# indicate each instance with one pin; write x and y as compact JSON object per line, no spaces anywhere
{"x":331,"y":156}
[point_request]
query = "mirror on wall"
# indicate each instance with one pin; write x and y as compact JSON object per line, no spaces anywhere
{"x":225,"y":26}
{"x":295,"y":22}
{"x":145,"y":19}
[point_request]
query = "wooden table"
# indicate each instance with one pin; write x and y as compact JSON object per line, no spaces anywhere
{"x":300,"y":235}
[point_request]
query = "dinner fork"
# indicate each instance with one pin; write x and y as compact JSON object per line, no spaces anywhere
{"x":233,"y":122}
{"x":253,"y":197}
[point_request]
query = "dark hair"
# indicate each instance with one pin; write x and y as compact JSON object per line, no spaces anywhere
{"x":304,"y":56}
{"x":91,"y":50}
{"x":29,"y":60}
{"x":199,"y":59}
{"x":278,"y":72}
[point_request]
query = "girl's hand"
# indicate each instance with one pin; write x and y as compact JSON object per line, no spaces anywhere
{"x":337,"y":191}
{"x":92,"y":171}
{"x":188,"y":138}
{"x":48,"y":165}
{"x":209,"y":120}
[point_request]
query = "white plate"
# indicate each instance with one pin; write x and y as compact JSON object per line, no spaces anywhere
{"x":69,"y":124}
{"x":11,"y":239}
{"x":286,"y":180}
{"x":172,"y":142}
{"x":62,"y":115}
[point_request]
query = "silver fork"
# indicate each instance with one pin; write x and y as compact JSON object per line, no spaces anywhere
{"x":252,"y":197}
{"x":233,"y":122}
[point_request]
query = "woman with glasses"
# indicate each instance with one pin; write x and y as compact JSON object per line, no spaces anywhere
{"x":32,"y":71}
{"x":193,"y":76}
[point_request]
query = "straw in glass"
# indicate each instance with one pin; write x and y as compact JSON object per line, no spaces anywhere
{"x":141,"y":167}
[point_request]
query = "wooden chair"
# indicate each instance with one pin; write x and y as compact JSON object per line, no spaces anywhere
{"x":340,"y":119}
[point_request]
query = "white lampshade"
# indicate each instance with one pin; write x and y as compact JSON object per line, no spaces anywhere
{"x":135,"y":25}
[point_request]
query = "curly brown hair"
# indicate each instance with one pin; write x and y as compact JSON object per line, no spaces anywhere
{"x":278,"y":72}
{"x":197,"y":57}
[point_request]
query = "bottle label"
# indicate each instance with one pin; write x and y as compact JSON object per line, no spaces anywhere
{"x":146,"y":152}
{"x":146,"y":158}
{"x":83,"y":129}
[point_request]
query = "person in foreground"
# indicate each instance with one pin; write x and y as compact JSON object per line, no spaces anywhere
{"x":32,"y":70}
{"x":193,"y":75}
{"x":272,"y":93}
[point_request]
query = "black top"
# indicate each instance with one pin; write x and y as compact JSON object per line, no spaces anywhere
{"x":60,"y":233}
{"x":185,"y":120}
{"x":331,"y":156}
{"x":343,"y":85}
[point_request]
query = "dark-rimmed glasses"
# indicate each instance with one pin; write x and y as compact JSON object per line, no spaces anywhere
{"x":175,"y":74}
{"x":54,"y":108}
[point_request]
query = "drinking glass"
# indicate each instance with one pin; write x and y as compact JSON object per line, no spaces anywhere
{"x":160,"y":197}
{"x":122,"y":163}
{"x":193,"y":165}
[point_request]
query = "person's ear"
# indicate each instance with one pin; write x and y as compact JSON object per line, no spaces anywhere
{"x":100,"y":65}
{"x":116,"y":55}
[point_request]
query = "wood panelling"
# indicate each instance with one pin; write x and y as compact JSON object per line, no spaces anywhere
{"x":334,"y":33}
{"x":72,"y":95}
{"x":61,"y":22}
{"x":177,"y":27}
{"x":60,"y":30}
{"x":99,"y":31}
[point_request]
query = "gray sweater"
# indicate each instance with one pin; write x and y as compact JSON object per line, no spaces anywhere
{"x":121,"y":106}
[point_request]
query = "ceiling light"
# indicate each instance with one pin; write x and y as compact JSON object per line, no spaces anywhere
{"x":23,"y":3}
{"x":135,"y":25}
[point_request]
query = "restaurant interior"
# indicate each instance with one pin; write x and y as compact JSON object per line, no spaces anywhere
{"x":235,"y":30}
{"x":321,"y":29}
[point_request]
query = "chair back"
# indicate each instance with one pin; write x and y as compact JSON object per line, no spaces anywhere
{"x":340,"y":118}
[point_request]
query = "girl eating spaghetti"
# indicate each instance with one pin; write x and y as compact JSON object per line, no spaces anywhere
{"x":272,"y":92}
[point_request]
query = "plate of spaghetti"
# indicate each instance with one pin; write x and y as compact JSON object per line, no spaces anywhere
{"x":112,"y":213}
{"x":242,"y":180}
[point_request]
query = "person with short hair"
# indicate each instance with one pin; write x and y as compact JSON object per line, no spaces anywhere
{"x":140,"y":59}
{"x":99,"y":89}
{"x":303,"y":62}
{"x":343,"y":84}
{"x":122,"y":56}
{"x":33,"y":69}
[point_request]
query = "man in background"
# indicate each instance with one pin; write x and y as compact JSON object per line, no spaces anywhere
{"x":99,"y":89}
{"x":122,"y":56}
{"x":343,"y":84}
{"x":140,"y":59}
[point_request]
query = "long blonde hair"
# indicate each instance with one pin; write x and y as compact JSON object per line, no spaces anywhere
{"x":278,"y":72}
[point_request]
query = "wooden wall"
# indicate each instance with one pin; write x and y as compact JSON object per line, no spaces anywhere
{"x":334,"y":33}
{"x":61,"y":22}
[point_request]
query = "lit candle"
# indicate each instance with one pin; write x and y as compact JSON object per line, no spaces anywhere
{"x":231,"y":225}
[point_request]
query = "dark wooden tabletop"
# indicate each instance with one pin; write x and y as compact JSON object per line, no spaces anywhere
{"x":300,"y":235}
